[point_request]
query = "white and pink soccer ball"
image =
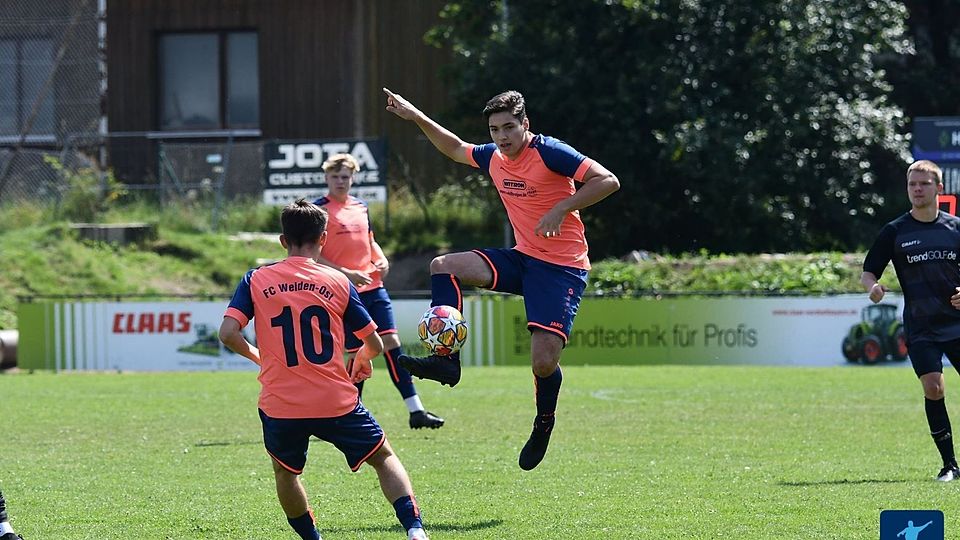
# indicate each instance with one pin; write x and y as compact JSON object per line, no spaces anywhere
{"x":443,"y":330}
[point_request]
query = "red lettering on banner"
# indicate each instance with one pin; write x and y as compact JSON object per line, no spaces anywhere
{"x":151,"y":323}
{"x":145,"y":324}
{"x":184,"y":322}
{"x":165,"y":323}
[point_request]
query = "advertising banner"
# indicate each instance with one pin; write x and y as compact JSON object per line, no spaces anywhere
{"x":128,"y":336}
{"x":807,"y":331}
{"x":294,"y":169}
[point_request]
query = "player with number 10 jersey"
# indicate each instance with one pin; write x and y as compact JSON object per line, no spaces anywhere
{"x":301,"y":310}
{"x":303,"y":306}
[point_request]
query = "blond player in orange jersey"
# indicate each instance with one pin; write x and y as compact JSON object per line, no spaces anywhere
{"x":352,"y":249}
{"x":301,"y":310}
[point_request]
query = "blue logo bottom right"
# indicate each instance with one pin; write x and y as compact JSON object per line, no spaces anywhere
{"x":911,"y":525}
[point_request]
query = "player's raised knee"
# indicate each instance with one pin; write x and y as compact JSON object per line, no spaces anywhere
{"x":439,"y":265}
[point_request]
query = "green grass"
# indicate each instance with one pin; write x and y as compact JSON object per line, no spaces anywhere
{"x":639,"y":452}
{"x":52,"y":260}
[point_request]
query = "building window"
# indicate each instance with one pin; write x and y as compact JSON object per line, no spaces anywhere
{"x":209,"y":80}
{"x":25,"y":67}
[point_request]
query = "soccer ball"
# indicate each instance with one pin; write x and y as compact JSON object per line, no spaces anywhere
{"x":443,"y":330}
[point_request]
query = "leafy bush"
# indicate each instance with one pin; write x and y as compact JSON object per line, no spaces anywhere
{"x":815,"y":273}
{"x":22,"y":214}
{"x":88,"y":192}
{"x":455,"y":216}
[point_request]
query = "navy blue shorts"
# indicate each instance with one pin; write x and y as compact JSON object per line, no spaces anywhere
{"x":927,"y":356}
{"x":377,"y":302}
{"x":551,"y":292}
{"x":356,"y":434}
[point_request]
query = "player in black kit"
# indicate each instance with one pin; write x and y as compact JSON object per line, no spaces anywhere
{"x":924,"y":244}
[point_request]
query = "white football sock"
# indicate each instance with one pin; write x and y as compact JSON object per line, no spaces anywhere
{"x":5,"y":528}
{"x":413,"y":403}
{"x":416,"y":533}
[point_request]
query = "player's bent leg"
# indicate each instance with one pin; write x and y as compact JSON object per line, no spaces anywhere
{"x":397,"y":488}
{"x":293,"y":501}
{"x":545,"y":348}
{"x":468,"y":266}
{"x":443,"y":369}
{"x":447,"y":272}
{"x":403,"y":381}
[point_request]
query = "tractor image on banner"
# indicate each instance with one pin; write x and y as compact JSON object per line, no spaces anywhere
{"x":878,"y":336}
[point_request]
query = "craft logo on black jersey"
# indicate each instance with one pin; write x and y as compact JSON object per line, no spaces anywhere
{"x":514,"y":184}
{"x":933,"y":255}
{"x":910,"y":243}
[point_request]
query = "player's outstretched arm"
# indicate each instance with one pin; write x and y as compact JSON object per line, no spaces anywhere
{"x":598,"y":184}
{"x":446,"y":142}
{"x":231,"y":336}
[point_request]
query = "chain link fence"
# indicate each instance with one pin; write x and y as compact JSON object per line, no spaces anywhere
{"x":52,"y":76}
{"x":53,"y":127}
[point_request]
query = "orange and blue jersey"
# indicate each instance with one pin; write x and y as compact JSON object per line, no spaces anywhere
{"x":529,"y":186}
{"x":350,"y":238}
{"x":301,"y":310}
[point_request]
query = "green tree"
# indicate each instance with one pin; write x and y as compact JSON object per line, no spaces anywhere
{"x":733,"y":126}
{"x":926,"y":77}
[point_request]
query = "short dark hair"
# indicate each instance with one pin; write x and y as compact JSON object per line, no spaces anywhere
{"x":510,"y":101}
{"x":302,"y":222}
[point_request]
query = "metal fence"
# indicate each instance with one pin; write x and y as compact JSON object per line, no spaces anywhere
{"x":53,"y":125}
{"x":52,"y":77}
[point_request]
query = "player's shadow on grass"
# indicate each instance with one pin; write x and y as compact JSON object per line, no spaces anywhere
{"x":206,"y":444}
{"x":845,"y":482}
{"x":430,"y":525}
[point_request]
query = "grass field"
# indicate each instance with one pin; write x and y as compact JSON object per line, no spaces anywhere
{"x":638,"y":452}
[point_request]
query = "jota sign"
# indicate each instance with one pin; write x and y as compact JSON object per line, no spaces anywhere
{"x":294,"y":169}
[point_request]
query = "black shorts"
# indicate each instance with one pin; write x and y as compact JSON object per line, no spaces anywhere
{"x":356,"y":434}
{"x":551,"y":292}
{"x":378,"y":304}
{"x":927,"y":356}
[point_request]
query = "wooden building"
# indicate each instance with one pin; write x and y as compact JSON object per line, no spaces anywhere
{"x":260,"y":70}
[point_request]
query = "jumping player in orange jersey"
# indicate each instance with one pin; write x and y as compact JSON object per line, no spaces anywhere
{"x":301,"y":310}
{"x":534,"y":175}
{"x":352,"y":249}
